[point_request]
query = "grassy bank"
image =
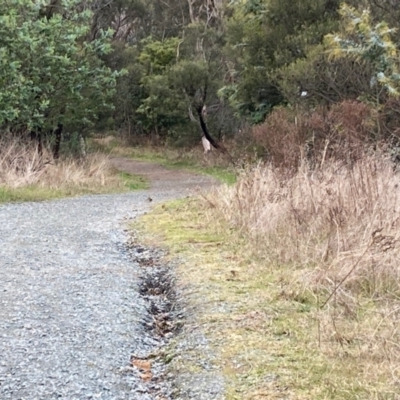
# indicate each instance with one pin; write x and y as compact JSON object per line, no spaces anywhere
{"x":295,"y":280}
{"x":118,"y":182}
{"x":26,"y":175}
{"x":214,"y":164}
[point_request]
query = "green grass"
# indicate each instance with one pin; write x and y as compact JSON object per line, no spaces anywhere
{"x":30,"y":193}
{"x":222,"y":174}
{"x":125,"y":182}
{"x":133,"y":182}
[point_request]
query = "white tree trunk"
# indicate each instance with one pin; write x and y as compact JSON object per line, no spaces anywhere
{"x":206,"y":144}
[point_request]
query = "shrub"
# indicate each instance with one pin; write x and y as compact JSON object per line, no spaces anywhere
{"x":342,"y":132}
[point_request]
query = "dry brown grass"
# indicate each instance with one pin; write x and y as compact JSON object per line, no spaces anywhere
{"x":294,"y":271}
{"x":22,"y":167}
{"x":330,"y":218}
{"x":330,"y":239}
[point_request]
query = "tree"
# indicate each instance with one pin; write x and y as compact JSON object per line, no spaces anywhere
{"x":371,"y":44}
{"x":51,"y":74}
{"x":168,"y":71}
{"x":265,"y":36}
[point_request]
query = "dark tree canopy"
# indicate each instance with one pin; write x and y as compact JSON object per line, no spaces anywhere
{"x":146,"y":67}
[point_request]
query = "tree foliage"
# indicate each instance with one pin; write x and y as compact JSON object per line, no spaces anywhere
{"x":236,"y":60}
{"x":50,"y":72}
{"x":267,"y":36}
{"x":372,"y":44}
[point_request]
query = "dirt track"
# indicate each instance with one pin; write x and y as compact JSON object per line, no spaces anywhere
{"x":161,"y":178}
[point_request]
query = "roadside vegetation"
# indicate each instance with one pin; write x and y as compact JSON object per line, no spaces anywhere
{"x":295,"y":279}
{"x":294,"y":268}
{"x":27,"y":175}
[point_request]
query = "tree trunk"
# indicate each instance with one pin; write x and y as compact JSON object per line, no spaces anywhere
{"x":82,"y":145}
{"x":203,"y":126}
{"x":191,"y":13}
{"x":57,"y":144}
{"x":207,"y":135}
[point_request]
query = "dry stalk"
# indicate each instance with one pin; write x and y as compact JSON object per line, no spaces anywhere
{"x":339,"y":227}
{"x":22,"y":165}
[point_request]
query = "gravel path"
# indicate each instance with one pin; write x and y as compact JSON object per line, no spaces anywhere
{"x":69,"y":306}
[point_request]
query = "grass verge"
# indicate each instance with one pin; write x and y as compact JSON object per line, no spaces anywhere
{"x":26,"y":175}
{"x":271,"y":338}
{"x":120,"y":182}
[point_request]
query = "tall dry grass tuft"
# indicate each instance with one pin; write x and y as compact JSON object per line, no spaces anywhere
{"x":21,"y":165}
{"x":336,"y":230}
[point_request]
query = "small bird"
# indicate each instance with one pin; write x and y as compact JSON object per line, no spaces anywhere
{"x":149,"y":199}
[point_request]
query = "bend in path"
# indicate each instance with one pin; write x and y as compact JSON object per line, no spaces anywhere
{"x":69,"y":308}
{"x":164,"y":180}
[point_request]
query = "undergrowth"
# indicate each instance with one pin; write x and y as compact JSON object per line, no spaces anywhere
{"x":294,"y":278}
{"x":333,"y":233}
{"x":27,"y":174}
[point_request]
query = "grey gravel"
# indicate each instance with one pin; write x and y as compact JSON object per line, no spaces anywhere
{"x":70,"y":311}
{"x":201,"y":381}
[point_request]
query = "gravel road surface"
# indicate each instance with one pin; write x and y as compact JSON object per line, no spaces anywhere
{"x":70,"y":311}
